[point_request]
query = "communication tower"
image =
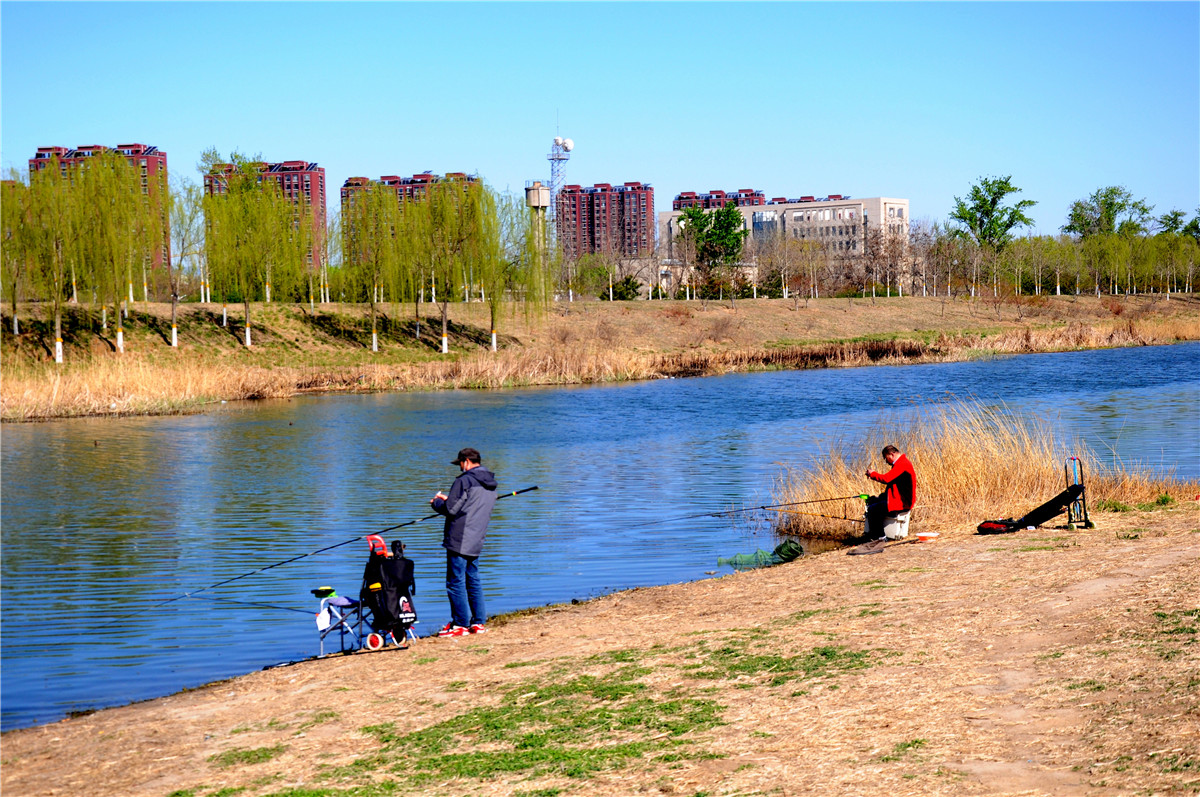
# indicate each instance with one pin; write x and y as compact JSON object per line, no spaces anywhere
{"x":560,"y":153}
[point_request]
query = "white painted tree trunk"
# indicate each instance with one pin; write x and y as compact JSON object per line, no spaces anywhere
{"x":103,"y":318}
{"x":121,"y":340}
{"x":755,"y":291}
{"x":247,"y":336}
{"x":268,"y":293}
{"x":174,"y":336}
{"x":445,"y":345}
{"x":16,"y":326}
{"x":493,"y":340}
{"x":224,"y":316}
{"x":375,"y":341}
{"x":58,"y":350}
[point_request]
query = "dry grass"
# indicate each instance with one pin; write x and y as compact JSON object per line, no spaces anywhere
{"x":972,"y":463}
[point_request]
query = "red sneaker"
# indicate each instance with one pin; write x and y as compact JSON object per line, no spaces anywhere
{"x":477,"y":629}
{"x":453,"y":630}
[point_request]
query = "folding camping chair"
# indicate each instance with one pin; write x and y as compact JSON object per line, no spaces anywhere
{"x":340,"y":615}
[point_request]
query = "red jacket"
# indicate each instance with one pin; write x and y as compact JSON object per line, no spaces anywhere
{"x":901,"y":484}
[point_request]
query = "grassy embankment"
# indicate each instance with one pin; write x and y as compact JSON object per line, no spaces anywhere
{"x":1055,"y":661}
{"x":297,"y":350}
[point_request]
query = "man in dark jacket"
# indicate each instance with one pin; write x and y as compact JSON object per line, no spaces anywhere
{"x":901,"y":491}
{"x":467,"y":508}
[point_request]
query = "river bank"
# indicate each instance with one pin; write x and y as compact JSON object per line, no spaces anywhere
{"x":1043,"y":662}
{"x":298,"y":350}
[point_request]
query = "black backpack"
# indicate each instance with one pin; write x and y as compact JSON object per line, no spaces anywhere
{"x":387,"y":590}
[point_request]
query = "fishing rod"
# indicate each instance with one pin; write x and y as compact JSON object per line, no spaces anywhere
{"x":726,"y":512}
{"x":264,"y":568}
{"x":818,"y":514}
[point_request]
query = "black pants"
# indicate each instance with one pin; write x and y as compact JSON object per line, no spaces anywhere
{"x":876,"y":514}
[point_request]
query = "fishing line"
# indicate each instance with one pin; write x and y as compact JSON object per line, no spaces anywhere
{"x":728,"y":512}
{"x":264,"y":568}
{"x":246,"y":603}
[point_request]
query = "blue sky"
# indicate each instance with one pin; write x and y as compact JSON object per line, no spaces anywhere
{"x":913,"y":100}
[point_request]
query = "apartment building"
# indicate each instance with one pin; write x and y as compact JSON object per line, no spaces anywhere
{"x":606,"y":218}
{"x":150,"y":162}
{"x":406,"y":188}
{"x":743,"y":197}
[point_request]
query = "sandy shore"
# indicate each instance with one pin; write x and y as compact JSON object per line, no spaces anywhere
{"x":1045,"y":662}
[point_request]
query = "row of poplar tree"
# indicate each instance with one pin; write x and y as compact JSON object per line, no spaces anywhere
{"x":94,"y":231}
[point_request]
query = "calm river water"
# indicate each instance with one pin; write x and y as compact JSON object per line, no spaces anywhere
{"x":104,"y":519}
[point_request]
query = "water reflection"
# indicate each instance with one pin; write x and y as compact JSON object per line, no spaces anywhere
{"x":105,"y":519}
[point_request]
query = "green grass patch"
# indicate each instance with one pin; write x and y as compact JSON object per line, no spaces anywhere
{"x":801,"y":616}
{"x":512,"y":665}
{"x":734,"y":660}
{"x":325,"y":715}
{"x":1164,"y":501}
{"x":1174,"y":762}
{"x":238,"y":756}
{"x":1176,"y":630}
{"x":875,"y":583}
{"x":574,"y":727}
{"x":902,"y":749}
{"x":1090,"y":685}
{"x":1112,"y":505}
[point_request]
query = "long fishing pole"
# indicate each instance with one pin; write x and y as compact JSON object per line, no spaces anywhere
{"x":726,"y":512}
{"x":818,"y":514}
{"x":264,"y":568}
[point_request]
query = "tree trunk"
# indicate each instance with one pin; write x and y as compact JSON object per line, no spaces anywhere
{"x":445,"y":328}
{"x":246,"y":307}
{"x":118,"y":312}
{"x":58,"y":342}
{"x":174,"y":320}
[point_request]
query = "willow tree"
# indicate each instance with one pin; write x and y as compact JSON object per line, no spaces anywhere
{"x":187,"y":238}
{"x":439,"y":230}
{"x":14,"y":210}
{"x":370,"y":235}
{"x":255,"y":237}
{"x":47,"y":233}
{"x":509,"y":257}
{"x":118,"y":224}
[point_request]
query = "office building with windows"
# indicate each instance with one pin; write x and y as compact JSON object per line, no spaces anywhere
{"x":839,"y":223}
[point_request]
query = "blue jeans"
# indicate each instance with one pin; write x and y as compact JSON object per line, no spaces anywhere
{"x":464,"y":590}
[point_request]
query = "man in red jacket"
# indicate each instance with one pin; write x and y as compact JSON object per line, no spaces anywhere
{"x":900,"y":495}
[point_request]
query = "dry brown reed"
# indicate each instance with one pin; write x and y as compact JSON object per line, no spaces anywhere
{"x":972,"y":463}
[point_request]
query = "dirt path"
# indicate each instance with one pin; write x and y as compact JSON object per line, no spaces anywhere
{"x":1045,"y":662}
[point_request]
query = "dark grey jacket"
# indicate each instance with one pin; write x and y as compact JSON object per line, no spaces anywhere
{"x":467,"y":508}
